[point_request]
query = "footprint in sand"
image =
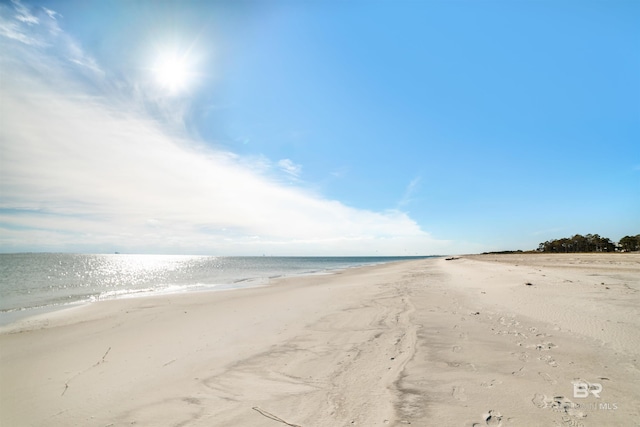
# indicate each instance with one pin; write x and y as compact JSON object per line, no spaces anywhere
{"x":558,"y":404}
{"x":548,"y":378}
{"x":456,"y":349}
{"x":541,"y":401}
{"x":563,"y":404}
{"x":491,"y":383}
{"x":549,"y":361}
{"x":458,"y":393}
{"x":522,"y":356}
{"x":545,"y":346}
{"x":493,"y":418}
{"x":519,"y":372}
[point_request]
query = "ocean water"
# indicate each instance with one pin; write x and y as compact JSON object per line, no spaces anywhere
{"x":30,"y":283}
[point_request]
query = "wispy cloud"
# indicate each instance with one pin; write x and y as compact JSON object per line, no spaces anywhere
{"x":409,"y":192}
{"x":51,"y":13}
{"x":23,"y":14}
{"x":82,"y":171}
{"x":290,"y":168}
{"x":38,"y":27}
{"x":12,"y":23}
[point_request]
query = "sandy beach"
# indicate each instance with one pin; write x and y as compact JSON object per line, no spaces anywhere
{"x":488,"y":340}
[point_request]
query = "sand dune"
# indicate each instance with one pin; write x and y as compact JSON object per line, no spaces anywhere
{"x":475,"y":341}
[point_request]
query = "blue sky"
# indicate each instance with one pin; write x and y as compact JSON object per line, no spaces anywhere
{"x":317,"y":128}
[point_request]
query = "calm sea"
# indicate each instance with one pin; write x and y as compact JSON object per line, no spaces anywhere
{"x":34,"y":282}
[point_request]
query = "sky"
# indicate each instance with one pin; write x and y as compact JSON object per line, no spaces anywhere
{"x":333,"y":127}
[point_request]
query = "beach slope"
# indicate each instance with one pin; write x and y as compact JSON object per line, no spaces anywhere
{"x":516,"y":340}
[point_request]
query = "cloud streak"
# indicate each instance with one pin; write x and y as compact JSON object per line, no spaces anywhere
{"x":409,"y":192}
{"x":290,"y":168}
{"x":86,"y":171}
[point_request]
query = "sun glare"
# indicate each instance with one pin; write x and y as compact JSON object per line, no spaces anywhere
{"x":172,"y":73}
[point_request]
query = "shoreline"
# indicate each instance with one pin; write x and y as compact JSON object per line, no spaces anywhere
{"x":14,"y":315}
{"x":462,"y":341}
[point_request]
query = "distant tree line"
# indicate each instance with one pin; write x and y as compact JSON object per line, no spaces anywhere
{"x":630,"y":243}
{"x":590,"y":243}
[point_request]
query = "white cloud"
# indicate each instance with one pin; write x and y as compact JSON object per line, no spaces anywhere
{"x":27,"y":26}
{"x":12,"y":28}
{"x":51,"y":13}
{"x":23,"y":14}
{"x":86,"y":172}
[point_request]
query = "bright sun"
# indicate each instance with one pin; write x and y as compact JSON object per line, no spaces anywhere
{"x":172,"y":73}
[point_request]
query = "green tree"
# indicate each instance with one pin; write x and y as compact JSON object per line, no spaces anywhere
{"x":630,"y":243}
{"x":579,"y":243}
